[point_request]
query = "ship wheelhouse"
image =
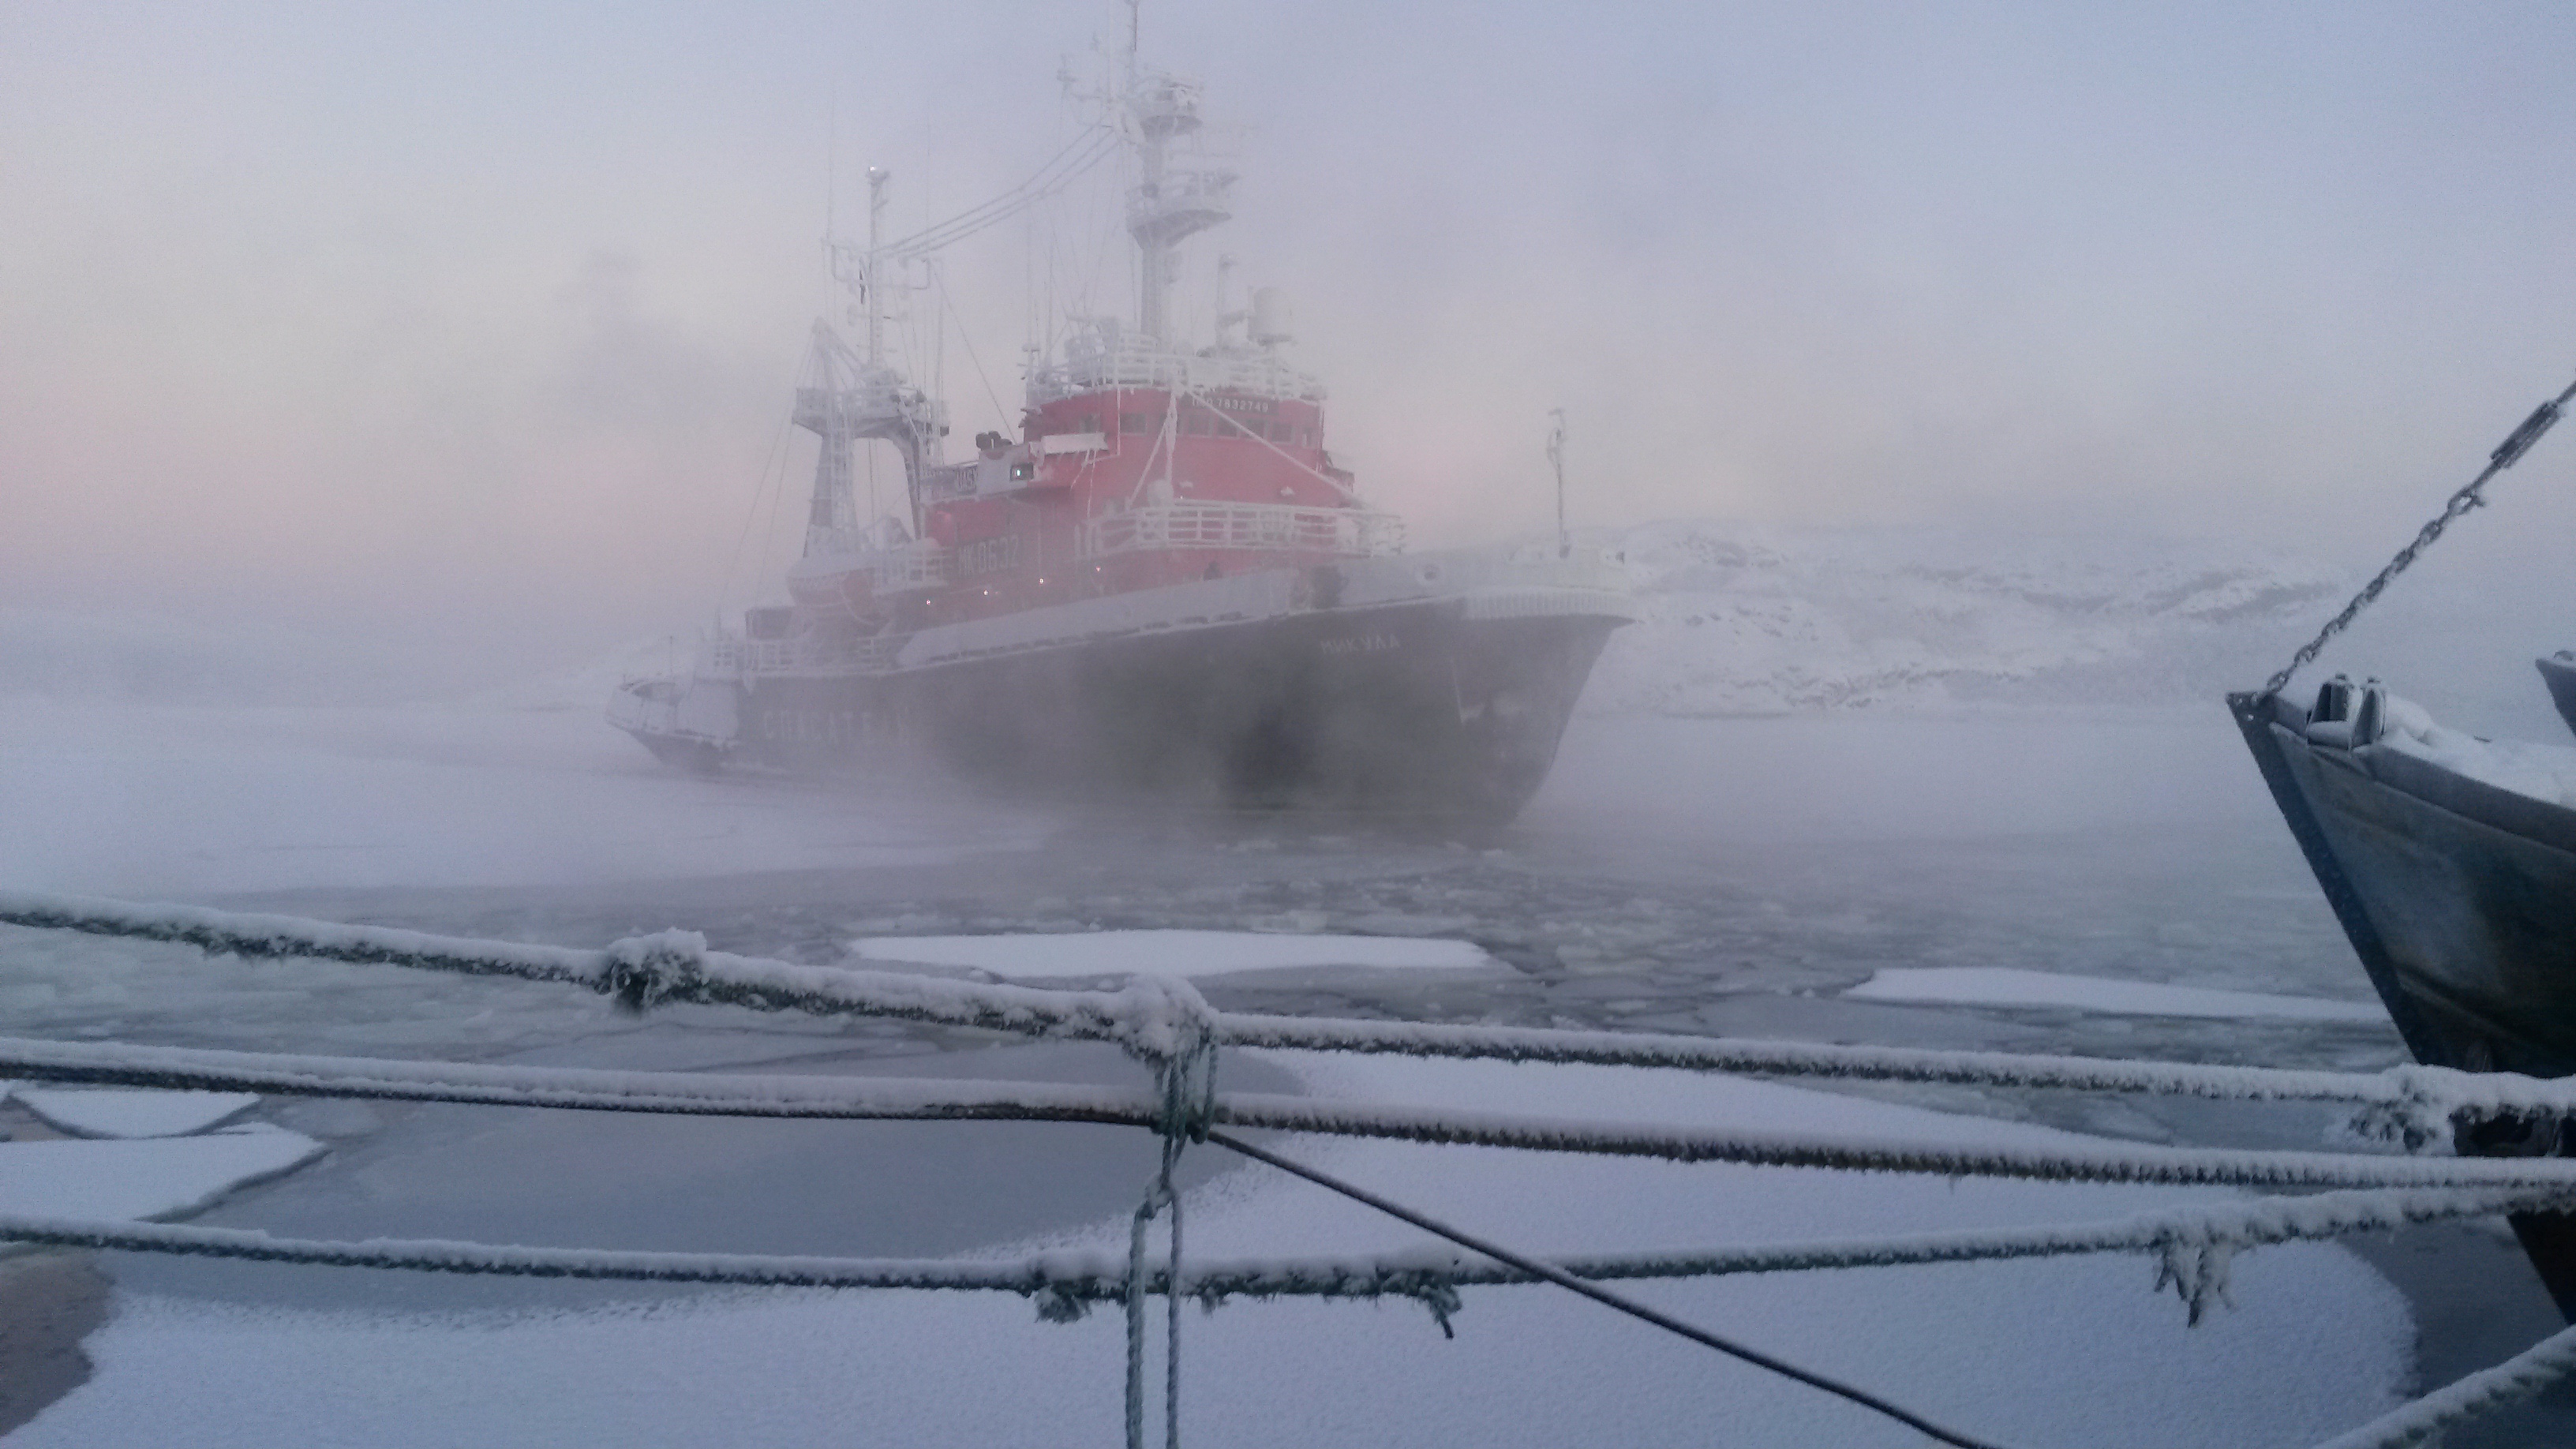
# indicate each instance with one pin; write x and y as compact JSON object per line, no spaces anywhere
{"x":1141,"y":466}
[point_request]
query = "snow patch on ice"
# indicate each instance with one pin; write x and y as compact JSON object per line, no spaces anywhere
{"x":124,"y":1113}
{"x":160,"y":1177}
{"x":2007,"y":986}
{"x":1168,"y":953}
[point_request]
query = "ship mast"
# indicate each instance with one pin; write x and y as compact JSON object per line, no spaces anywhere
{"x":853,"y":395}
{"x":1168,"y":203}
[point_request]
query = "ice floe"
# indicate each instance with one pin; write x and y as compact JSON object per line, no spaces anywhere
{"x":93,"y":1112}
{"x":1169,"y":953}
{"x":153,"y":1177}
{"x":2006,"y":986}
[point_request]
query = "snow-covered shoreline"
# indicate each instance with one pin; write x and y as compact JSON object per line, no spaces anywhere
{"x":1746,"y":620}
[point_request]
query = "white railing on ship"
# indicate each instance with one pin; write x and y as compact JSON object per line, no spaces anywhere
{"x":921,"y":564}
{"x":732,"y":654}
{"x":1350,"y":531}
{"x":1138,"y":362}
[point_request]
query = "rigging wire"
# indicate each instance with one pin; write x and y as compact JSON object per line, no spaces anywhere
{"x":1086,"y":150}
{"x":772,"y":483}
{"x":948,"y":305}
{"x":1620,"y":1301}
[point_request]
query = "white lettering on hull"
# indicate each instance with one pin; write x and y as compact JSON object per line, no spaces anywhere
{"x":1361,"y":644}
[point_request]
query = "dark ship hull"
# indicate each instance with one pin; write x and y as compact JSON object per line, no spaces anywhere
{"x":1405,"y":709}
{"x":2559,"y":670}
{"x":2459,"y":898}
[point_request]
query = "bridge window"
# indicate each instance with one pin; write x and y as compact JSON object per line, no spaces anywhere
{"x":1139,"y":423}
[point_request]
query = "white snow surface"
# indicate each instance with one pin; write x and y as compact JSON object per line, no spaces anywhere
{"x":1745,"y":620}
{"x":2542,"y":772}
{"x":2069,"y":1351}
{"x":2010,"y":986}
{"x":119,"y":1112}
{"x":160,"y":1177}
{"x":1169,"y":953}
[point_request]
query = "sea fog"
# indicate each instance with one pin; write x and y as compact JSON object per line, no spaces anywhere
{"x":1972,"y":396}
{"x":2063,"y":869}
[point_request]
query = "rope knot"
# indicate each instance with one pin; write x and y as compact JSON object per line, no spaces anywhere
{"x":2418,"y":1119}
{"x":2195,"y":1265}
{"x":645,"y":971}
{"x":1059,"y":1304}
{"x":1434,"y":1291}
{"x":1170,"y":1026}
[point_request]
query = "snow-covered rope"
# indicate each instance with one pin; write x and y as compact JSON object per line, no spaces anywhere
{"x":1065,"y":1282}
{"x":1185,"y":1092}
{"x":2412,"y":1102}
{"x":682,"y":1093}
{"x":1087,"y":1276}
{"x":669,"y":967}
{"x":2080,"y":1161}
{"x":2524,"y":1374}
{"x":915,"y":1099}
{"x":2179,"y":1237}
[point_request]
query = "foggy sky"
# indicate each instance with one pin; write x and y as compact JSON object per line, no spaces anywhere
{"x":466,"y":329}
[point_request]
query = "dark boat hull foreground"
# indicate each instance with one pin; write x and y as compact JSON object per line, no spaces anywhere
{"x":2559,"y":671}
{"x":2459,"y":898}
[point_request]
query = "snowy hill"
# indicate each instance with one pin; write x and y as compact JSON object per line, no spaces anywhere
{"x":1740,"y":620}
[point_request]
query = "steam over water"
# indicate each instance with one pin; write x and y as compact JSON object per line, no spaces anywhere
{"x":1730,"y":876}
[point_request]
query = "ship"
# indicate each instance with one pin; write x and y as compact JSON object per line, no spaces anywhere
{"x":1162,"y":584}
{"x":2450,"y":862}
{"x":2558,"y":671}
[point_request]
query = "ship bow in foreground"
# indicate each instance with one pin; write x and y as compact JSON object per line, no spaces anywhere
{"x":2451,"y":863}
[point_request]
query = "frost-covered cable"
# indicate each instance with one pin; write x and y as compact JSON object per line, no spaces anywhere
{"x":1143,"y":1016}
{"x":1594,"y":1291}
{"x":1065,"y":1282}
{"x":2524,"y":1374}
{"x":2078,"y":1160}
{"x":1031,"y":1276}
{"x":1871,"y":1063}
{"x":915,"y":1099}
{"x":590,"y":1088}
{"x":2233,"y":1225}
{"x":669,"y":967}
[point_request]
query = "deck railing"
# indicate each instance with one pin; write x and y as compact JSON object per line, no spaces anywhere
{"x":1268,"y":526}
{"x":920,"y":564}
{"x":1095,"y":364}
{"x":732,"y":654}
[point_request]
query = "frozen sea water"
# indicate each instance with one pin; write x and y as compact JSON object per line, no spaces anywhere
{"x":1707,"y":875}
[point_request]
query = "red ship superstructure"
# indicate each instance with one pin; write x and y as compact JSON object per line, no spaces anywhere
{"x":1163,"y":582}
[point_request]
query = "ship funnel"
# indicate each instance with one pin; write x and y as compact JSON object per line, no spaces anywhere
{"x":1270,"y":319}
